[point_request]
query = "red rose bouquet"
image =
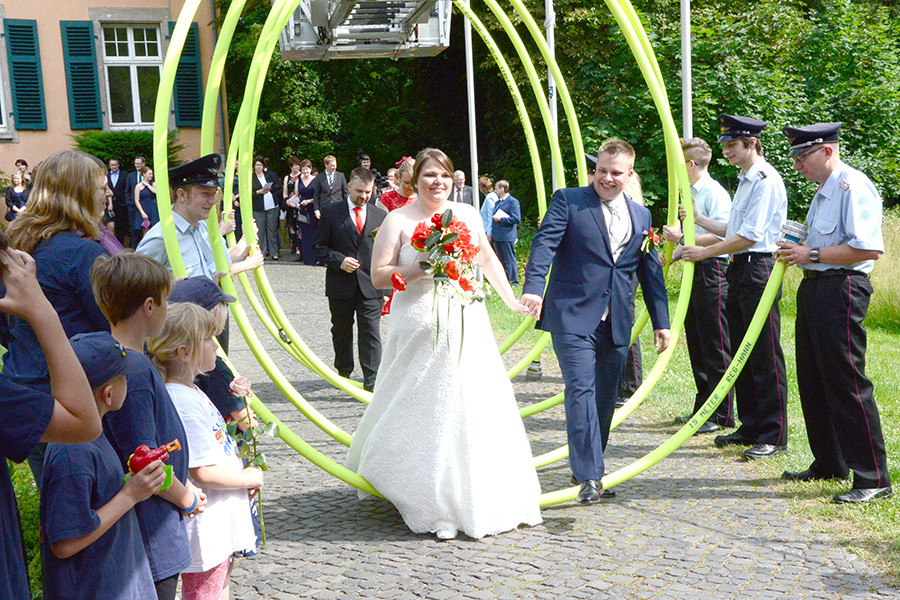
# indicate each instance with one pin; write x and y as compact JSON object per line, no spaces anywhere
{"x":450,"y":259}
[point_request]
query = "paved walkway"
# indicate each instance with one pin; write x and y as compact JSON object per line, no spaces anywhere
{"x":694,"y":527}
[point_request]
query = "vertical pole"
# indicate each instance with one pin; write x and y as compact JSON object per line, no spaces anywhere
{"x":549,"y":25}
{"x":686,"y":100}
{"x":470,"y":97}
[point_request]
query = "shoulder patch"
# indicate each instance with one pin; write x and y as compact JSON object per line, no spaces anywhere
{"x":762,"y":175}
{"x":845,"y":184}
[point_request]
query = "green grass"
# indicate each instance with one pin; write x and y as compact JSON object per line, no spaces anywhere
{"x":872,"y":531}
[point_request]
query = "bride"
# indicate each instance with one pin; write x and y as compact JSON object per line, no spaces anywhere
{"x":442,"y":438}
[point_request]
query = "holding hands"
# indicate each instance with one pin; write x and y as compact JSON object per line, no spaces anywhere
{"x":531,"y":305}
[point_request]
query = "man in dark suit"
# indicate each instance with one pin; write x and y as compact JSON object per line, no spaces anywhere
{"x":329,"y":186}
{"x":134,"y":178}
{"x":504,"y":230}
{"x":115,"y":179}
{"x":461,"y":192}
{"x":593,"y":237}
{"x":344,"y":244}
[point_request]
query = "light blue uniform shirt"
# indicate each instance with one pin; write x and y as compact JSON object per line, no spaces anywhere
{"x":193,"y":242}
{"x":487,"y":211}
{"x":759,"y":208}
{"x":711,"y":200}
{"x":845,"y":210}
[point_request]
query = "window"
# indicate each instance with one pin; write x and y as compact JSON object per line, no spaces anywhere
{"x":132,"y":59}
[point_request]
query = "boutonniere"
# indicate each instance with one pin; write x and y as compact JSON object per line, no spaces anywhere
{"x":374,"y":233}
{"x":651,"y":240}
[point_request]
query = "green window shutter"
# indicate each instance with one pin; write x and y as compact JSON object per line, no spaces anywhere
{"x":189,"y":81}
{"x":82,"y":84}
{"x":26,"y":81}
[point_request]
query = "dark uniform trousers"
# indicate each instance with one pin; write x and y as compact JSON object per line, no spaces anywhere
{"x":761,"y":388}
{"x":706,"y":331}
{"x":842,"y":420}
{"x":367,"y":312}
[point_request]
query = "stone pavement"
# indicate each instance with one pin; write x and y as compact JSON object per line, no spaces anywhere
{"x":697,"y":526}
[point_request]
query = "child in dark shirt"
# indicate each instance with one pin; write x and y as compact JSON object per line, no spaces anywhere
{"x":86,"y":516}
{"x":28,"y":416}
{"x":131,"y":290}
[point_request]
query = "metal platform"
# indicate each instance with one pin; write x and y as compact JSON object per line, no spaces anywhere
{"x":330,"y":29}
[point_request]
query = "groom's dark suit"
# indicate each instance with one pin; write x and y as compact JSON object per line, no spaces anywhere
{"x":584,"y":282}
{"x":349,"y":294}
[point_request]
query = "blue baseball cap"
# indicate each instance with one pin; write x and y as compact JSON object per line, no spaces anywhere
{"x":199,"y":290}
{"x":103,"y":358}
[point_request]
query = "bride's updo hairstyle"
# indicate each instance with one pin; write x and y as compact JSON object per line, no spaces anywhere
{"x":436,"y":155}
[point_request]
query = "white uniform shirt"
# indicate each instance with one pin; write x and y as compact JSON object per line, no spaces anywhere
{"x":759,"y":208}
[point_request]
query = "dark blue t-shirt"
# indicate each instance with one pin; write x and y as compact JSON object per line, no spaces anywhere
{"x":24,"y":416}
{"x":216,"y":385}
{"x":63,"y":265}
{"x":149,"y":417}
{"x":78,"y":480}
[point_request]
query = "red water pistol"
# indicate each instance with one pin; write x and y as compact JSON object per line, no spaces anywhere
{"x":143,"y":455}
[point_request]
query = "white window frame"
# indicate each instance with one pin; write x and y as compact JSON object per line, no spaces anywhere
{"x":133,"y":62}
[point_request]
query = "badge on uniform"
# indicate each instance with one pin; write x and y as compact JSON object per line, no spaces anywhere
{"x":762,"y":175}
{"x":845,"y":185}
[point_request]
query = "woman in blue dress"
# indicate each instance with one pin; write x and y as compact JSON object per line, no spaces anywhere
{"x":147,"y":213}
{"x":299,"y":194}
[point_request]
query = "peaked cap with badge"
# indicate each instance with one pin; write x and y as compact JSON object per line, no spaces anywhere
{"x":203,"y":171}
{"x":733,"y":127}
{"x":801,"y":138}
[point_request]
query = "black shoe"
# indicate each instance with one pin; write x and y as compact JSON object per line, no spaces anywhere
{"x":605,"y":494}
{"x":860,"y":495}
{"x":733,"y":439}
{"x":708,"y":427}
{"x":807,"y":475}
{"x":764,"y":451}
{"x":276,"y":257}
{"x":590,"y":492}
{"x":369,"y":386}
{"x":683,"y":419}
{"x":620,"y":402}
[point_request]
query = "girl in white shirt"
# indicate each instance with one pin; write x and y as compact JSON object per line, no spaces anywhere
{"x":184,"y":349}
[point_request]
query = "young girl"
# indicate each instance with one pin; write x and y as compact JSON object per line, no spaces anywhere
{"x":184,"y":349}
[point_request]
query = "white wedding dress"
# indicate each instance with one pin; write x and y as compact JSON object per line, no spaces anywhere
{"x":442,"y":438}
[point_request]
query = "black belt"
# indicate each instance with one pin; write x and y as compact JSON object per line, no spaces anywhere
{"x":712,"y":261}
{"x":809,"y":274}
{"x":745,"y":257}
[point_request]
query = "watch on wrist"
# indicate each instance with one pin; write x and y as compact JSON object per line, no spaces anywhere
{"x":814,"y":255}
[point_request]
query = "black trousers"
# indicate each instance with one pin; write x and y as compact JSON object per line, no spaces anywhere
{"x":761,"y":388}
{"x":123,"y":225}
{"x":842,"y":421}
{"x":367,"y":314}
{"x":706,"y":332}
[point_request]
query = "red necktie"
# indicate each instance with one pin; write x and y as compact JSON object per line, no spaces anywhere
{"x":359,"y":221}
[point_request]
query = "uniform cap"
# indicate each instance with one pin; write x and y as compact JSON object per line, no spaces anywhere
{"x":203,"y":171}
{"x":733,"y":127}
{"x":801,"y":138}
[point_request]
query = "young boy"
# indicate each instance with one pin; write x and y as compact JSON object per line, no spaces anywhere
{"x":86,"y":516}
{"x":131,"y":290}
{"x":27,"y":416}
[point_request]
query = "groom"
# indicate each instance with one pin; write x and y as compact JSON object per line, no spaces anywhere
{"x":592,"y":236}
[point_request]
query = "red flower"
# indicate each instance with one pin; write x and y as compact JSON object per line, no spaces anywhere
{"x":452,"y":270}
{"x":466,"y":285}
{"x":469,"y":252}
{"x":421,"y":232}
{"x":398,"y":282}
{"x":436,"y":220}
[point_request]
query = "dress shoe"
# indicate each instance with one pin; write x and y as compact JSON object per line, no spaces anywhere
{"x":732,"y":439}
{"x":446,"y":533}
{"x":605,"y":494}
{"x":859,"y":495}
{"x":807,"y":475}
{"x":683,"y":419}
{"x":620,"y":402}
{"x":708,"y":427}
{"x":763,"y":451}
{"x":590,"y":492}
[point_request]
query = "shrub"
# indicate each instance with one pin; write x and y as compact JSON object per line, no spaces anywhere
{"x":124,"y":145}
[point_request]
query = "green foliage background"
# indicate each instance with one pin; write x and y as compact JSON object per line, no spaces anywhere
{"x":784,"y":61}
{"x":124,"y":146}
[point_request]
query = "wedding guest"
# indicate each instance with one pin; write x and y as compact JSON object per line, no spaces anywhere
{"x":504,"y":231}
{"x":116,"y":180}
{"x":443,"y":388}
{"x":404,"y":191}
{"x":146,"y":209}
{"x":462,"y":192}
{"x":266,"y":208}
{"x":22,"y":167}
{"x":344,"y":244}
{"x":16,"y":195}
{"x":330,"y":187}
{"x":487,"y":206}
{"x":131,"y":181}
